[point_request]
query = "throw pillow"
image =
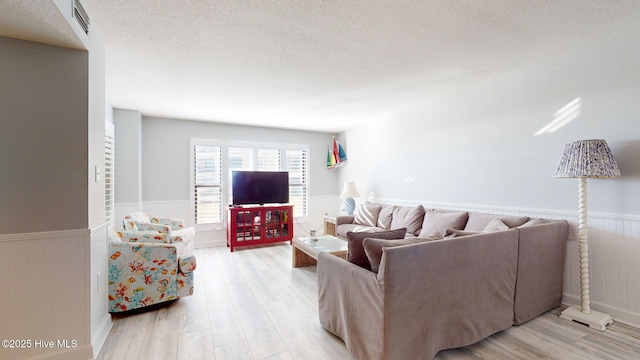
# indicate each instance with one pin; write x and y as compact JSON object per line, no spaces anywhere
{"x":385,"y":216}
{"x":495,"y":225}
{"x":355,"y":252}
{"x":409,"y":217}
{"x":535,"y":221}
{"x":441,"y":221}
{"x":367,"y":214}
{"x":374,"y":247}
{"x":478,"y":221}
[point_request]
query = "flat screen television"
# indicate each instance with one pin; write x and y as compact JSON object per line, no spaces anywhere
{"x":259,"y":187}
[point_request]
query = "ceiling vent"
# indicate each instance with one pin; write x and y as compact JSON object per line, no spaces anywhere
{"x":81,"y":16}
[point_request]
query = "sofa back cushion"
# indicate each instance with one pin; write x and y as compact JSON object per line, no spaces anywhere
{"x":440,"y":221}
{"x":355,"y":252}
{"x":478,"y":221}
{"x":408,"y":217}
{"x":374,"y":247}
{"x":367,"y":214}
{"x":385,"y":216}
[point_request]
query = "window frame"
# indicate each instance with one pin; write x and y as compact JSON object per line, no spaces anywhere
{"x":225,"y":145}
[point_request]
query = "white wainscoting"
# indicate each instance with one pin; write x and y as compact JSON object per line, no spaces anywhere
{"x":100,"y":319}
{"x":215,"y":235}
{"x":45,"y":293}
{"x":614,"y":250}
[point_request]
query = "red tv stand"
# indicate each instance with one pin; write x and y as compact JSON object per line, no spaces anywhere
{"x":255,"y":225}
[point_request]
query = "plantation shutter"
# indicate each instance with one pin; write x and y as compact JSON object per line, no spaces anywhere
{"x":268,"y":159}
{"x":297,"y":167}
{"x":208,"y":184}
{"x":109,"y":157}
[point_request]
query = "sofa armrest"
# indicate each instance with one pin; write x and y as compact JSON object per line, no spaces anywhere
{"x":447,"y":293}
{"x":541,"y":258}
{"x":350,"y":304}
{"x":344,"y":219}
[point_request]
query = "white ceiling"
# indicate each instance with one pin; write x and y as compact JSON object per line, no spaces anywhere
{"x":323,"y":65}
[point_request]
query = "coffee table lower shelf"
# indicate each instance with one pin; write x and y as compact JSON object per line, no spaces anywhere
{"x":305,"y":250}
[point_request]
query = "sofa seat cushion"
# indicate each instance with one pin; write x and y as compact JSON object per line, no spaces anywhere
{"x":408,"y":217}
{"x":356,"y":253}
{"x":440,"y":221}
{"x":367,"y":214}
{"x":374,"y":247}
{"x":478,"y":221}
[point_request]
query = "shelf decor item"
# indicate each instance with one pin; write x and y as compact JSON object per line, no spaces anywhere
{"x":335,"y":155}
{"x":348,"y":193}
{"x":586,"y":159}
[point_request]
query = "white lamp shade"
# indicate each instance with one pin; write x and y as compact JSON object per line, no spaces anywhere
{"x":587,"y":158}
{"x":349,"y":190}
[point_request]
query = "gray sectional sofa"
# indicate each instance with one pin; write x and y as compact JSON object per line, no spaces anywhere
{"x":432,"y":293}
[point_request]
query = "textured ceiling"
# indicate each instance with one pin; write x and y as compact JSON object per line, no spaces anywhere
{"x":328,"y":65}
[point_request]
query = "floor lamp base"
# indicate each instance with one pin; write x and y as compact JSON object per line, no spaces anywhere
{"x":595,"y":320}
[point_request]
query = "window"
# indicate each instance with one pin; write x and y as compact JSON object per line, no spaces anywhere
{"x":214,"y":161}
{"x":297,"y":168}
{"x":207,"y":184}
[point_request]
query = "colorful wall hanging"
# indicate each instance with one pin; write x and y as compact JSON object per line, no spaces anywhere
{"x":335,"y":155}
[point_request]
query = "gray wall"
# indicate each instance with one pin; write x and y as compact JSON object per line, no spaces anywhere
{"x":43,"y":137}
{"x":476,"y":146}
{"x":128,"y":157}
{"x":166,"y":162}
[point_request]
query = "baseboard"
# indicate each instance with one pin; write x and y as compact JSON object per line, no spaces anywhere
{"x":209,"y":238}
{"x":620,"y":315}
{"x":100,"y":338}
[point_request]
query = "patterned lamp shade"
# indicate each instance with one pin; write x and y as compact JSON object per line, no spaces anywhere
{"x":587,"y":158}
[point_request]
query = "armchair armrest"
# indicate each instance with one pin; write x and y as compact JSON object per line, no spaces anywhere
{"x":143,"y":237}
{"x":173,"y":223}
{"x":149,"y":226}
{"x":344,"y":219}
{"x":141,"y":274}
{"x":186,"y":259}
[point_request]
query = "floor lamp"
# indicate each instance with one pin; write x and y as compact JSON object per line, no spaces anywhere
{"x":586,"y":159}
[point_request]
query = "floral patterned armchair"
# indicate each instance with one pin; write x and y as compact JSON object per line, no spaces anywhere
{"x":147,"y":271}
{"x":174,"y":228}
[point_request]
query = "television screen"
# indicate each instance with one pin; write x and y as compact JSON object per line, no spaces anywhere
{"x":260,"y":187}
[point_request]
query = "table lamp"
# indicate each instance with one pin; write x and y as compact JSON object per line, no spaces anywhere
{"x":586,"y":159}
{"x":348,"y":193}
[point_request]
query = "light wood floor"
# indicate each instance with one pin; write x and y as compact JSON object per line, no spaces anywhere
{"x":251,"y":304}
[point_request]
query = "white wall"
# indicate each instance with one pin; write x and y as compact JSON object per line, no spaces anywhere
{"x":475,"y":149}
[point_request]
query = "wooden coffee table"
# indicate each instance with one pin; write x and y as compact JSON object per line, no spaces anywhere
{"x":305,"y":250}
